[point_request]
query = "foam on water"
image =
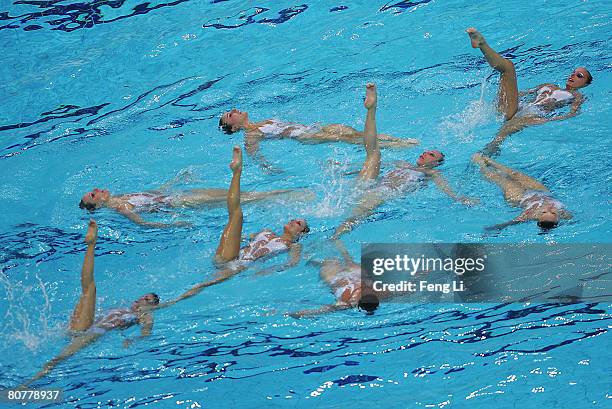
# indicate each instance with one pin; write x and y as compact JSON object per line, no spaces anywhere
{"x":338,"y":191}
{"x":463,"y":125}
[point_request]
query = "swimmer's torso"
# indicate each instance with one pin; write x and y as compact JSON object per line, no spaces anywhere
{"x":274,"y":128}
{"x":264,"y":244}
{"x":114,"y":318}
{"x":346,"y":285}
{"x":548,"y":98}
{"x":402,"y":179}
{"x":147,"y":201}
{"x":532,"y":200}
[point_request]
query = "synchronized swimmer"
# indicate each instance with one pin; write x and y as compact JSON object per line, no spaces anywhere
{"x":151,"y":201}
{"x":542,"y":108}
{"x":235,"y":120}
{"x":84,"y":328}
{"x":230,"y":258}
{"x":525,"y":192}
{"x":399,"y":181}
{"x":343,"y":277}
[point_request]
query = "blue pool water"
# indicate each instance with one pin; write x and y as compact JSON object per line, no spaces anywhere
{"x":126,"y":95}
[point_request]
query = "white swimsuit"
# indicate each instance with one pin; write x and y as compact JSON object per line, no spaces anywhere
{"x":346,"y":282}
{"x":265,"y":243}
{"x":534,"y":199}
{"x":151,"y":201}
{"x":402,"y":179}
{"x":277,"y":128}
{"x":115,"y":318}
{"x":546,"y":100}
{"x":546,"y":96}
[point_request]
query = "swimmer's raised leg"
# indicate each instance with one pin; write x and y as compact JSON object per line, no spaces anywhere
{"x":371,"y":165}
{"x":229,"y":244}
{"x":508,"y":88}
{"x":84,"y":312}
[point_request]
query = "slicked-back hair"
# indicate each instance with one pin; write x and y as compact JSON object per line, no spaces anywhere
{"x":155,"y":298}
{"x":547,"y":225}
{"x":226,"y":128}
{"x":89,"y":206}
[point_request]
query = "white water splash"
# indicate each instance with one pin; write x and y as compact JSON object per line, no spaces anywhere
{"x":462,"y":125}
{"x":19,"y":326}
{"x":338,"y":188}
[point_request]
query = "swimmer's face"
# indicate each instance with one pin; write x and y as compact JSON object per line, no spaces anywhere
{"x":234,"y":119}
{"x":580,"y":78}
{"x":95,"y":198}
{"x":547,"y":216}
{"x":430,"y":158}
{"x":147,"y":300}
{"x":297,"y":227}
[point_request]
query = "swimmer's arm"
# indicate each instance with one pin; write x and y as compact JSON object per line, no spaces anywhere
{"x":251,"y":144}
{"x":146,"y":326}
{"x":136,"y":218}
{"x":502,"y":226}
{"x":295,"y":255}
{"x":348,"y":260}
{"x":578,"y":100}
{"x":319,"y":311}
{"x":443,"y":185}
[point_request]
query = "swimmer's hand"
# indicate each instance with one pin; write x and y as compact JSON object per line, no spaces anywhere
{"x":127,"y":343}
{"x":92,"y":233}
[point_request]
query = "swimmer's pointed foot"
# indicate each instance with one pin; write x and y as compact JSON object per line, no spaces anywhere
{"x":477,"y":38}
{"x":371,"y":98}
{"x":92,"y":232}
{"x":236,"y":163}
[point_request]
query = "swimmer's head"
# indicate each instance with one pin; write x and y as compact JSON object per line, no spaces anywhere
{"x":547,"y":217}
{"x":94,"y":200}
{"x":147,"y":300}
{"x":430,"y":158}
{"x":233,"y":121}
{"x":579,"y":78}
{"x":369,"y":303}
{"x":296,"y":228}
